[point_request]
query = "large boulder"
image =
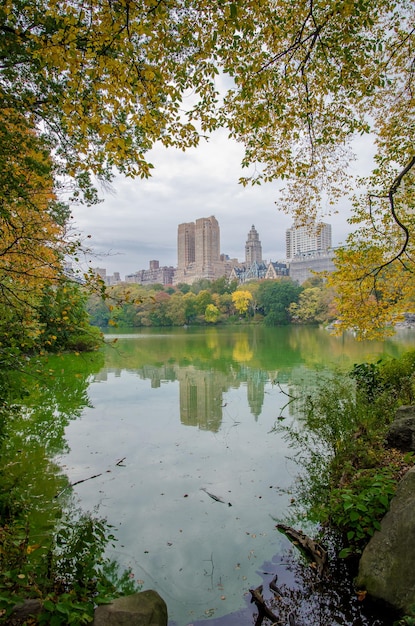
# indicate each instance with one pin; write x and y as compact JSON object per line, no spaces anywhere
{"x":386,"y":568}
{"x":401,"y":434}
{"x":145,"y":608}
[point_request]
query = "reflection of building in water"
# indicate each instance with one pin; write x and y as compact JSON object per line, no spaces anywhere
{"x":157,"y":375}
{"x":201,"y":391}
{"x":201,"y":398}
{"x":102,"y":376}
{"x":256,"y":381}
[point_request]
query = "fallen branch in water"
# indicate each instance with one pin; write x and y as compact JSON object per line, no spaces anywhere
{"x":78,"y":482}
{"x":83,"y":480}
{"x":263,"y":610}
{"x":212,"y":495}
{"x":309,"y":547}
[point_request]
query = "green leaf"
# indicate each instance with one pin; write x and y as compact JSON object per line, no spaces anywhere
{"x":343,"y":554}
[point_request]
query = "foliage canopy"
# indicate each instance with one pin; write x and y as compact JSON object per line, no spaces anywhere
{"x":106,"y":80}
{"x":102,"y":82}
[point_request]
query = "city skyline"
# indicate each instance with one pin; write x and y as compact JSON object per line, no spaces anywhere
{"x":137,"y":222}
{"x":198,"y":256}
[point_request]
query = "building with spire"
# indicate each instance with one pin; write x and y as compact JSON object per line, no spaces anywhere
{"x":254,"y":267}
{"x":253,"y":248}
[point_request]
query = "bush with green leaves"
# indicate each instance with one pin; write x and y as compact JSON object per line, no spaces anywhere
{"x":388,"y":381}
{"x":357,"y":510}
{"x":69,"y":577}
{"x":349,"y":478}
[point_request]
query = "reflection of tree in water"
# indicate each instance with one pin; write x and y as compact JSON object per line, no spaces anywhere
{"x":56,"y":394}
{"x":306,"y":599}
{"x":54,"y":398}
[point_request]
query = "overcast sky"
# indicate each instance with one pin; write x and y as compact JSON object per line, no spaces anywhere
{"x":138,"y":221}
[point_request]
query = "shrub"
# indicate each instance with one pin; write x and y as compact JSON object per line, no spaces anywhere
{"x":70,"y":576}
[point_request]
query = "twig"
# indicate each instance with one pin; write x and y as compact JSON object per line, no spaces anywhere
{"x":263,"y":610}
{"x":78,"y":482}
{"x":83,"y":480}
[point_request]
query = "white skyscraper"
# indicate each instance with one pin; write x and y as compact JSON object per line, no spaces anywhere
{"x":308,"y":238}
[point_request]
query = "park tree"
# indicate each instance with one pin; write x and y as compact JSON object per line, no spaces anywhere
{"x":374,"y":278}
{"x":313,"y":306}
{"x":32,"y":222}
{"x":224,"y":304}
{"x":203,"y":298}
{"x":33,"y":240}
{"x":242,"y":300}
{"x":223,"y":285}
{"x":176,"y":309}
{"x":63,"y":320}
{"x":106,"y":81}
{"x":189,"y":302}
{"x":275,"y":298}
{"x":159,"y":312}
{"x":212,"y":314}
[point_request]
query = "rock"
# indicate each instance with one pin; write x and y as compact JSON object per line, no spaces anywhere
{"x":145,"y":608}
{"x":401,"y":434}
{"x":22,"y":612}
{"x":386,"y":568}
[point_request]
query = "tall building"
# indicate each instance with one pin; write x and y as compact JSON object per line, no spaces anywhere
{"x":207,"y":244}
{"x":307,"y":238}
{"x":253,"y":248}
{"x":198,"y":251}
{"x":186,"y":244}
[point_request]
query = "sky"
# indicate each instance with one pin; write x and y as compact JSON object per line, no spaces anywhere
{"x":137,"y":220}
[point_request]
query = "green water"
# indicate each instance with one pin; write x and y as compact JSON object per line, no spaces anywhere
{"x":164,"y":421}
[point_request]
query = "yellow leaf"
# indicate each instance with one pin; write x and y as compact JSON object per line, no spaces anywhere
{"x":32,"y":548}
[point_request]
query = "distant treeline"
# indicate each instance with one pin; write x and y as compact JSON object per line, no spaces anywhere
{"x":273,"y":302}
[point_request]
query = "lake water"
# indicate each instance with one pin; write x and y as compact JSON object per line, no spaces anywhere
{"x":191,"y":473}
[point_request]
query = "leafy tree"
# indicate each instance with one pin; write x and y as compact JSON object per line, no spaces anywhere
{"x":98,"y":310}
{"x":176,"y":309}
{"x":212,"y":314}
{"x":374,"y":279}
{"x":183,"y":287}
{"x":241,"y":300}
{"x":64,"y":321}
{"x":224,"y":303}
{"x":312,"y":306}
{"x":190,"y":307}
{"x":253,"y":286}
{"x":98,"y":81}
{"x":305,"y":80}
{"x":275,"y":298}
{"x":31,"y":221}
{"x":222,"y":285}
{"x":124,"y":316}
{"x":33,"y":243}
{"x":159,"y":312}
{"x":203,"y":298}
